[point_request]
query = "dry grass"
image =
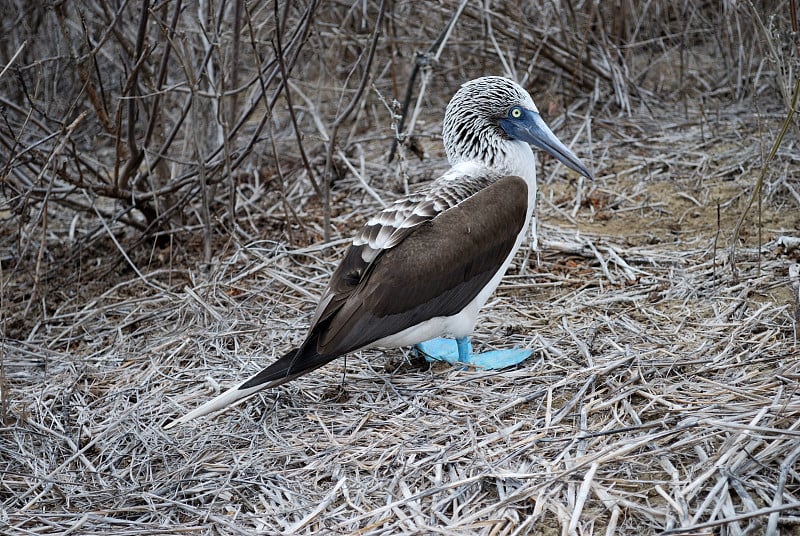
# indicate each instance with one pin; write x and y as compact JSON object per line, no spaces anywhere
{"x":663,"y":394}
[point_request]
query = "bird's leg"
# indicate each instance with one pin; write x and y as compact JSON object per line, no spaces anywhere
{"x":459,"y":352}
{"x":464,"y":349}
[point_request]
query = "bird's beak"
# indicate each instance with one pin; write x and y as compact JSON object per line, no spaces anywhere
{"x":531,"y":128}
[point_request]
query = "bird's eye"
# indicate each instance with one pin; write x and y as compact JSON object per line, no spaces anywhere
{"x":515,"y":112}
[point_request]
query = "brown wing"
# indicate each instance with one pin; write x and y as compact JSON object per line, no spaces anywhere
{"x":424,"y":276}
{"x":388,"y":229}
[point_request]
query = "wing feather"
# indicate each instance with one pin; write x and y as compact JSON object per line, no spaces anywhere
{"x":395,"y":292}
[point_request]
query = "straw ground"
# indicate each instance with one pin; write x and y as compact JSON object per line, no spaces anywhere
{"x":663,"y":394}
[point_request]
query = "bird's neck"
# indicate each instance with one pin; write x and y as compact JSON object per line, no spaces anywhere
{"x":520,"y":161}
{"x":513,"y":158}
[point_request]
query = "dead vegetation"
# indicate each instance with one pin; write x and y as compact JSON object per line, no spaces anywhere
{"x":170,"y":172}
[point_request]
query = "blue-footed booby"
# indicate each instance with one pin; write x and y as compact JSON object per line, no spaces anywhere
{"x":422,"y":268}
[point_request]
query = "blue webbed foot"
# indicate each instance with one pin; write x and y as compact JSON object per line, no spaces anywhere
{"x":498,"y":359}
{"x":459,"y":352}
{"x":441,"y":349}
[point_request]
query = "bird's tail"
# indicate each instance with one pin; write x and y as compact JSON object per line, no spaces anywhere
{"x":293,"y":364}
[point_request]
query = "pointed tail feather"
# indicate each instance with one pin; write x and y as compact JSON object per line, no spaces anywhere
{"x":228,"y":398}
{"x":293,"y":364}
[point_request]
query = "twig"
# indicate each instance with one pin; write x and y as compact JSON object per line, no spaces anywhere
{"x":341,"y":118}
{"x":423,"y":61}
{"x":10,"y":62}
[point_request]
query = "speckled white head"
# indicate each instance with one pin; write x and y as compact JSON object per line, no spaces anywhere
{"x":490,"y":120}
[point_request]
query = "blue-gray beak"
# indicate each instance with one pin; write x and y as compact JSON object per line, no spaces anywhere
{"x":531,"y":128}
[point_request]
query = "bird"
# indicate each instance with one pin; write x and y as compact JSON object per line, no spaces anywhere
{"x":418,"y":272}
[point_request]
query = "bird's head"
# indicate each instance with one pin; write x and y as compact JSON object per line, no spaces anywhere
{"x":488,"y":115}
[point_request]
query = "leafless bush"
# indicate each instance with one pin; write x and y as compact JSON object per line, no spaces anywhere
{"x":150,"y":113}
